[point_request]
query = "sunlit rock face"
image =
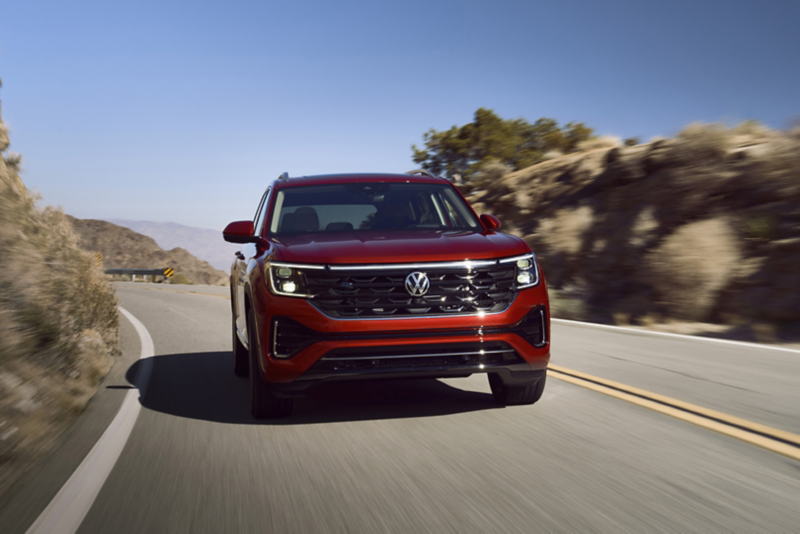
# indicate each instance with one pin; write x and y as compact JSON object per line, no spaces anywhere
{"x":702,"y":227}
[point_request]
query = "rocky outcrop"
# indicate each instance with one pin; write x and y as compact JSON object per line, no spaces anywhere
{"x":705,"y":226}
{"x":122,"y":248}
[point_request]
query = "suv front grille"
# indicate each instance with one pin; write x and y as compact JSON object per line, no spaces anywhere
{"x":474,"y":355}
{"x":382,"y":293}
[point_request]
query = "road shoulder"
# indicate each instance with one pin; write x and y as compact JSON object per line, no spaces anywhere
{"x":30,"y":495}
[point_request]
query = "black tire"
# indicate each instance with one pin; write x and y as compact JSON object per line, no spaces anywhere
{"x":515,"y":395}
{"x":264,"y":404}
{"x":241,"y":357}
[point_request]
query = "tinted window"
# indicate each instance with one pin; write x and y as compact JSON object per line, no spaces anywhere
{"x":370,"y":206}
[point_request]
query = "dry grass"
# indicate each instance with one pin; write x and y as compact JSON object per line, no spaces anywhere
{"x":490,"y":172}
{"x":606,"y":141}
{"x":565,"y":229}
{"x":58,"y":324}
{"x":704,"y":226}
{"x":181,"y":279}
{"x":690,"y":267}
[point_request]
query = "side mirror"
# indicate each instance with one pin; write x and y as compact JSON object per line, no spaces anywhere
{"x":240,"y":232}
{"x":490,"y":222}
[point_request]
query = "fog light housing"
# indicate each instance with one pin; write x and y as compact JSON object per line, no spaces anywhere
{"x":524,"y":279}
{"x":289,"y":286}
{"x":533,"y":327}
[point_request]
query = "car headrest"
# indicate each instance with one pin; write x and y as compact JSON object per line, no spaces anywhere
{"x":338,"y":227}
{"x":304,"y":219}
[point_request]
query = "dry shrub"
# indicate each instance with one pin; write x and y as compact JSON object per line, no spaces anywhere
{"x":58,"y":324}
{"x":568,"y":303}
{"x":701,"y":143}
{"x":644,"y":228}
{"x":563,"y":233}
{"x":636,"y":243}
{"x":489,"y":173}
{"x":606,"y":141}
{"x":753,"y":129}
{"x":689,"y":268}
{"x":179,"y":278}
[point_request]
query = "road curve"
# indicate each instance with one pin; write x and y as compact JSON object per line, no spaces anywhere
{"x":437,"y":456}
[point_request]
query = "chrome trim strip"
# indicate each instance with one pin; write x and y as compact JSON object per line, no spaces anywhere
{"x":463,"y":264}
{"x":529,"y":255}
{"x":466,"y":264}
{"x":296,"y":265}
{"x":275,"y":341}
{"x":398,"y":356}
{"x":544,"y":329}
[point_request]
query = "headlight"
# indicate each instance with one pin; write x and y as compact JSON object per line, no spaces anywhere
{"x":527,"y":270}
{"x":288,"y":279}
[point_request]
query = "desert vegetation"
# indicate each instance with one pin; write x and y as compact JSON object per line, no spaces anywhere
{"x":704,"y":226}
{"x":491,"y":140}
{"x":122,"y":248}
{"x":58,"y":322}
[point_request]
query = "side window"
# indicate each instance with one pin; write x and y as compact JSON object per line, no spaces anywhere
{"x":455,"y":217}
{"x":258,"y":225}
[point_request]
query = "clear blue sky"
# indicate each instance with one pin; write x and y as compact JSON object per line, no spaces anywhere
{"x":181,"y":111}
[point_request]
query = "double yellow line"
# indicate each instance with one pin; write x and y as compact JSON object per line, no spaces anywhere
{"x":763,"y":436}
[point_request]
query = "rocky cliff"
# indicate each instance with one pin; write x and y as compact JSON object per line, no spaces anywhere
{"x":123,"y":248}
{"x":702,"y":227}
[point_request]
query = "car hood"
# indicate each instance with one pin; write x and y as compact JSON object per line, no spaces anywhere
{"x":396,"y":247}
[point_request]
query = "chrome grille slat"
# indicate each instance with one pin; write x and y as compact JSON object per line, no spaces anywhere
{"x":398,"y":356}
{"x":469,"y":356}
{"x":361,"y":292}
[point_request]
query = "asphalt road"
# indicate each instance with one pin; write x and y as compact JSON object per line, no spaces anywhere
{"x":430,"y":456}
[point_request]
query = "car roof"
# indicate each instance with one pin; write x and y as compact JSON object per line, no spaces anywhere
{"x":358,"y":177}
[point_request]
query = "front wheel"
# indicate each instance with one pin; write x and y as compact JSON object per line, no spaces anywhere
{"x":515,"y":395}
{"x":264,"y":403}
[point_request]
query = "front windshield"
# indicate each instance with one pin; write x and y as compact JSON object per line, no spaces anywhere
{"x":364,"y":206}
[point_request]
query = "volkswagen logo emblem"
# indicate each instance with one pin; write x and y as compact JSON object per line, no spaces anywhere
{"x":417,"y":284}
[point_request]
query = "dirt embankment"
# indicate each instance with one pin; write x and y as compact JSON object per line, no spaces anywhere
{"x":58,"y":323}
{"x":702,"y":227}
{"x":122,"y":248}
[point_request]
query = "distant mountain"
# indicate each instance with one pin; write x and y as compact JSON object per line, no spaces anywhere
{"x":206,"y":244}
{"x":122,"y":248}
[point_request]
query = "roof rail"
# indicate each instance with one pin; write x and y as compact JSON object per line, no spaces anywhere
{"x":284,"y":177}
{"x":423,"y":172}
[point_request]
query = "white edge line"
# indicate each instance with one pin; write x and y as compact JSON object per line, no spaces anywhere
{"x":680,"y":336}
{"x":69,"y":507}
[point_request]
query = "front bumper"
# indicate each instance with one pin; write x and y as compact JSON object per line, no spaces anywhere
{"x":344,"y":349}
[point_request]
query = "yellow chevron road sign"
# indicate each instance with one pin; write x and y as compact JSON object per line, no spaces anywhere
{"x":169,"y":271}
{"x":99,"y":260}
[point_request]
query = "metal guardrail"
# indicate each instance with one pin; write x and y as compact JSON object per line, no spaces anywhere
{"x":165,"y":272}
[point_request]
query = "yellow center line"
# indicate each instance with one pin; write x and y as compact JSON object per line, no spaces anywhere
{"x":763,"y":436}
{"x":766,"y":437}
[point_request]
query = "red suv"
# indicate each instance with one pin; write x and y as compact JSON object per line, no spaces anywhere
{"x":367,"y":276}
